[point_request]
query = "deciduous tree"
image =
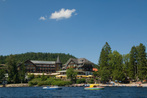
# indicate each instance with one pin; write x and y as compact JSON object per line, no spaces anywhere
{"x":12,"y":69}
{"x":71,"y":74}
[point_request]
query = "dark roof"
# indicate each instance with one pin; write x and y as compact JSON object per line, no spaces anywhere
{"x":80,"y":61}
{"x":42,"y":62}
{"x":71,"y":59}
{"x":83,"y":60}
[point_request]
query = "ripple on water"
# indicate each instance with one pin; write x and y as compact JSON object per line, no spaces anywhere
{"x":73,"y":92}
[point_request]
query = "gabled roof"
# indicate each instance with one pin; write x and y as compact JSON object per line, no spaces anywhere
{"x":71,"y":59}
{"x":80,"y":61}
{"x":83,"y":60}
{"x":42,"y":62}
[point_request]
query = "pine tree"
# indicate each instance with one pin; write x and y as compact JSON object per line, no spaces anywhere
{"x":104,"y":62}
{"x":142,"y":66}
{"x":133,"y":63}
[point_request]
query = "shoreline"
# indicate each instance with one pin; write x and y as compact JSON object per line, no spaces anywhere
{"x":126,"y":85}
{"x":80,"y":85}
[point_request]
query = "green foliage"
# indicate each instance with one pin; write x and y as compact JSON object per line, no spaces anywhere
{"x":43,"y":77}
{"x":142,"y":64}
{"x":96,"y":74}
{"x":61,"y":83}
{"x":2,"y":74}
{"x":12,"y":69}
{"x":137,"y":64}
{"x":31,"y":83}
{"x":40,"y":83}
{"x":22,"y":72}
{"x":49,"y":81}
{"x":116,"y":63}
{"x":126,"y":64}
{"x":38,"y":76}
{"x":38,"y":56}
{"x":31,"y":76}
{"x":3,"y":59}
{"x":133,"y":63}
{"x":80,"y":81}
{"x":117,"y":67}
{"x":71,"y":74}
{"x":104,"y":73}
{"x":118,"y":75}
{"x":104,"y":63}
{"x":91,"y":81}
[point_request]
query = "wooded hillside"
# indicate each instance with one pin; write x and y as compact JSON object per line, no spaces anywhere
{"x":38,"y":56}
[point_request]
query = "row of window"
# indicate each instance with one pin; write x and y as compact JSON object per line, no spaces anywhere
{"x":46,"y":65}
{"x":46,"y":68}
{"x":28,"y":67}
{"x":40,"y":71}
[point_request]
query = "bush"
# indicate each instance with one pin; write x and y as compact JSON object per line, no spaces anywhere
{"x":91,"y":81}
{"x":38,"y":76}
{"x":43,"y":77}
{"x":48,"y":81}
{"x":80,"y":81}
{"x":31,"y":83}
{"x":31,"y":76}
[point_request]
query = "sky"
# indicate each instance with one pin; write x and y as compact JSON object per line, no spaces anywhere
{"x":78,"y":27}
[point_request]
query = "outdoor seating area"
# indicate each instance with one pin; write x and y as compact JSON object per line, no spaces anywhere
{"x":78,"y":76}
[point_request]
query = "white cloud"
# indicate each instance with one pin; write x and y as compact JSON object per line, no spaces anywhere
{"x":42,"y":18}
{"x":62,"y":14}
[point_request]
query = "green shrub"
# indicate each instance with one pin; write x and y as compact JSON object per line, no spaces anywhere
{"x":48,"y":81}
{"x":31,"y":83}
{"x":80,"y":81}
{"x":38,"y":76}
{"x":43,"y":77}
{"x":31,"y":76}
{"x":91,"y":81}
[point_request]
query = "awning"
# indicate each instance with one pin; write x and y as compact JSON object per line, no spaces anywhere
{"x":64,"y":76}
{"x":79,"y":75}
{"x":84,"y":76}
{"x":90,"y":76}
{"x":58,"y":76}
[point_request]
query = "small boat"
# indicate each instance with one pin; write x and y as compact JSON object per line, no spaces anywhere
{"x":94,"y":87}
{"x":52,"y":88}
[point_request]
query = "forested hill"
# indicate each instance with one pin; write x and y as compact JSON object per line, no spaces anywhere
{"x":39,"y":56}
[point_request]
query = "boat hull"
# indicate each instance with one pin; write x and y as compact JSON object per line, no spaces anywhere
{"x":48,"y":88}
{"x":94,"y":88}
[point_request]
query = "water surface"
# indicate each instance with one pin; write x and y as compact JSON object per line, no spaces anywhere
{"x":73,"y":92}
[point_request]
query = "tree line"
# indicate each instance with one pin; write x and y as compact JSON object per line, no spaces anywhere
{"x":131,"y":66}
{"x":38,"y":56}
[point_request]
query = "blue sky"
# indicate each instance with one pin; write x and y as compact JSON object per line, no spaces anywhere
{"x":77,"y":27}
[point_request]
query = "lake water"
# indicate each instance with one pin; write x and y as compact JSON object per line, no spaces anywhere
{"x":73,"y":92}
